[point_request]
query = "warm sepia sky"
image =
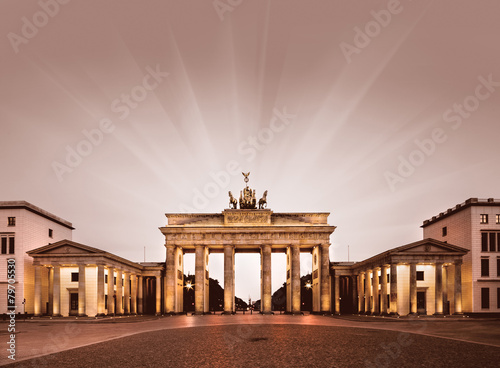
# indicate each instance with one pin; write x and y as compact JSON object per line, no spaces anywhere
{"x":331,"y":105}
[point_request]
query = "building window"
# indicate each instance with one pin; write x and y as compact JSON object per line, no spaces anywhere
{"x":11,"y":245}
{"x":498,"y":267}
{"x":498,"y":297}
{"x":484,"y":242}
{"x":420,"y":275}
{"x":51,"y":233}
{"x":485,"y":267}
{"x":105,"y":279}
{"x":105,"y":302}
{"x":74,"y":276}
{"x":11,"y":221}
{"x":484,"y":218}
{"x":493,"y":245}
{"x":445,"y":231}
{"x":114,"y":280}
{"x":388,"y":278}
{"x":4,"y":245}
{"x":498,"y":218}
{"x":485,"y":298}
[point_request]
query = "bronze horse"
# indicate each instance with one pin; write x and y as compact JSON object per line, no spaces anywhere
{"x":263,"y":201}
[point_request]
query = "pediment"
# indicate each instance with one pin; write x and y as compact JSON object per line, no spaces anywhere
{"x":65,"y":247}
{"x":429,"y":246}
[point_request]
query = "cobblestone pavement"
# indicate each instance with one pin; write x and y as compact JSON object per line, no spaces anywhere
{"x":261,"y":341}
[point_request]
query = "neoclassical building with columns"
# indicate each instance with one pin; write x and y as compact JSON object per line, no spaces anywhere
{"x":424,"y":277}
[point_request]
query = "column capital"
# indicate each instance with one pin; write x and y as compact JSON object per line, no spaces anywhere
{"x":325,"y":245}
{"x":458,"y":262}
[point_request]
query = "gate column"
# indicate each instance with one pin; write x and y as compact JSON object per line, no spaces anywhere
{"x":266,"y":304}
{"x":325,"y":278}
{"x":201,"y":280}
{"x":295,"y":278}
{"x":170,"y":280}
{"x":228,"y":279}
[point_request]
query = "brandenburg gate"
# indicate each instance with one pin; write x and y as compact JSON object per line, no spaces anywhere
{"x":247,"y":229}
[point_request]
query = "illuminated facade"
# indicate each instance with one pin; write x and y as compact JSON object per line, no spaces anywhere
{"x":474,"y":225}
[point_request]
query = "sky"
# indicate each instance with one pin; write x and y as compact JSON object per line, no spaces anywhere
{"x":383,"y":113}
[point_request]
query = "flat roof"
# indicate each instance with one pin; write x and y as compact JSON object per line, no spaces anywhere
{"x":32,"y":208}
{"x":462,"y":206}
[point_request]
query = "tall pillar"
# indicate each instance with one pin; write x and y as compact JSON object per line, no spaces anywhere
{"x":361,"y":292}
{"x":81,"y":291}
{"x":133,"y":301}
{"x":325,"y":278}
{"x":56,"y":291}
{"x":171,"y":279}
{"x":199,"y":280}
{"x":375,"y":293}
{"x":139,"y":295}
{"x":126,"y":293}
{"x":100,"y":290}
{"x":394,"y":288}
{"x":38,"y":290}
{"x":383,"y":290}
{"x":413,"y":288}
{"x":179,"y":283}
{"x":367,"y":291}
{"x":446,"y":303}
{"x":354,"y":293}
{"x":119,"y":292}
{"x":51,"y":290}
{"x":295,"y":275}
{"x":337,"y":294}
{"x":111,"y":291}
{"x":266,"y":303}
{"x":228,"y":278}
{"x":458,"y":287}
{"x":158,"y":294}
{"x":438,"y":287}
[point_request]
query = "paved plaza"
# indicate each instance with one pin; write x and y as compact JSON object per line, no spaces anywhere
{"x":257,"y":340}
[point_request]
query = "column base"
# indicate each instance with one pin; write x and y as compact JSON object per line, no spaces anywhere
{"x":227,"y":313}
{"x":82,"y":315}
{"x":100,"y":315}
{"x":267,"y":313}
{"x":438,"y":314}
{"x":458,"y":314}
